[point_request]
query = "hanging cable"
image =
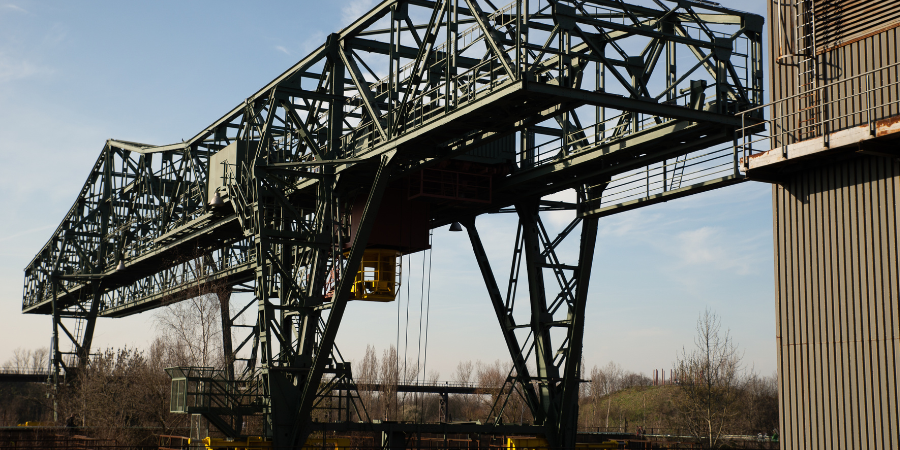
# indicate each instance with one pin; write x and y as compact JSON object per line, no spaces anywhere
{"x":406,"y":327}
{"x":427,"y":310}
{"x":406,"y":341}
{"x":397,"y":344}
{"x":419,"y":350}
{"x":420,"y":360}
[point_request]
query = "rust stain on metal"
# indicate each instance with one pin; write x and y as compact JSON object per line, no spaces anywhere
{"x":758,"y":155}
{"x":887,"y":126}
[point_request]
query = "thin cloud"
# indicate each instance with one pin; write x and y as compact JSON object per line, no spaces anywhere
{"x":709,"y":247}
{"x":282,"y":50}
{"x":12,"y":7}
{"x":560,"y":219}
{"x":639,"y":225}
{"x":11,"y":69}
{"x":22,"y":233}
{"x":354,"y":10}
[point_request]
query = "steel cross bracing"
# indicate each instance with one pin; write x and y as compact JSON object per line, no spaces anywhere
{"x":626,"y":104}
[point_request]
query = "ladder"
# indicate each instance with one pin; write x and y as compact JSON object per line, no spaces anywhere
{"x":808,"y":112}
{"x":678,"y":172}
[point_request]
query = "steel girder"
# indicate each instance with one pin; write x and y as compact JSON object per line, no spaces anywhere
{"x":551,"y":393}
{"x":151,"y":226}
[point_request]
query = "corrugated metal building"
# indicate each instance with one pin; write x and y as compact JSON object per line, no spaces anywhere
{"x":836,"y":235}
{"x":834,"y":162}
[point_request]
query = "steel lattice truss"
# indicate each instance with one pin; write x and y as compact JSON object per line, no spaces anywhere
{"x":623,"y":103}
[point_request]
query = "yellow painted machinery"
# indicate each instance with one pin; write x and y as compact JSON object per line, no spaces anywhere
{"x":259,"y":442}
{"x":252,"y":442}
{"x":37,"y":424}
{"x":378,"y":278}
{"x":537,"y":443}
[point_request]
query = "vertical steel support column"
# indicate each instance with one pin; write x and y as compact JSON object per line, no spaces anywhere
{"x":547,"y":372}
{"x":280,"y":391}
{"x":224,"y":298}
{"x":54,"y":348}
{"x":671,"y":79}
{"x":84,"y":349}
{"x":393,"y":65}
{"x":309,"y":316}
{"x":756,"y":59}
{"x":227,"y":346}
{"x":444,"y":407}
{"x":450,"y":88}
{"x":671,"y":59}
{"x":507,"y":324}
{"x":308,"y":320}
{"x":524,"y":35}
{"x":721,"y":85}
{"x":568,"y":422}
{"x":527,"y":160}
{"x":336,"y":109}
{"x":722,"y":53}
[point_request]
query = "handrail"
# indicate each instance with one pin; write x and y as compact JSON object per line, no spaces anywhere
{"x":862,"y":99}
{"x":23,"y":371}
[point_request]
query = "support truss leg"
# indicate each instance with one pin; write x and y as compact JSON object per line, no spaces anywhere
{"x":507,"y":324}
{"x":568,"y":422}
{"x":302,"y":428}
{"x":547,"y":372}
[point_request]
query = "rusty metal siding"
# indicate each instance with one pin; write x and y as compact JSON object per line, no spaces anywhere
{"x":838,"y":290}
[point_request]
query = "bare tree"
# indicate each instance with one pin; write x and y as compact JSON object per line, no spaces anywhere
{"x":759,"y":403}
{"x":499,"y":394}
{"x":709,"y":382}
{"x":389,"y":375}
{"x":466,"y":407}
{"x":27,"y":361}
{"x":123,"y":394}
{"x":23,"y":402}
{"x":604,"y":382}
{"x":192,"y":331}
{"x":463,"y":373}
{"x":192,"y":328}
{"x":367,"y":374}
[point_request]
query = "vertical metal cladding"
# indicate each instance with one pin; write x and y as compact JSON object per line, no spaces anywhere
{"x":845,"y":39}
{"x":838,"y":291}
{"x":843,"y":22}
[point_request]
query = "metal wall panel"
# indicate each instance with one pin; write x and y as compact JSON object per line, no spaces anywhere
{"x":843,"y":22}
{"x":874,"y":52}
{"x":502,"y":150}
{"x":867,"y":40}
{"x":838,"y":290}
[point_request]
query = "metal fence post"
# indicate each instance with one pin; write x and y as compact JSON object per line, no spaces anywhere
{"x":870,"y":102}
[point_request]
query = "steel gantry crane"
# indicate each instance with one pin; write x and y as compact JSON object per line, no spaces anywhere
{"x":419,"y":114}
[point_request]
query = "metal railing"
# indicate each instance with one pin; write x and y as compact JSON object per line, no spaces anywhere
{"x":670,"y":175}
{"x":24,"y":371}
{"x":206,"y":389}
{"x":860,"y":100}
{"x":424,"y":383}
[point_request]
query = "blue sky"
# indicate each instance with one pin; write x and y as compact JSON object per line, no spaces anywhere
{"x":74,"y":74}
